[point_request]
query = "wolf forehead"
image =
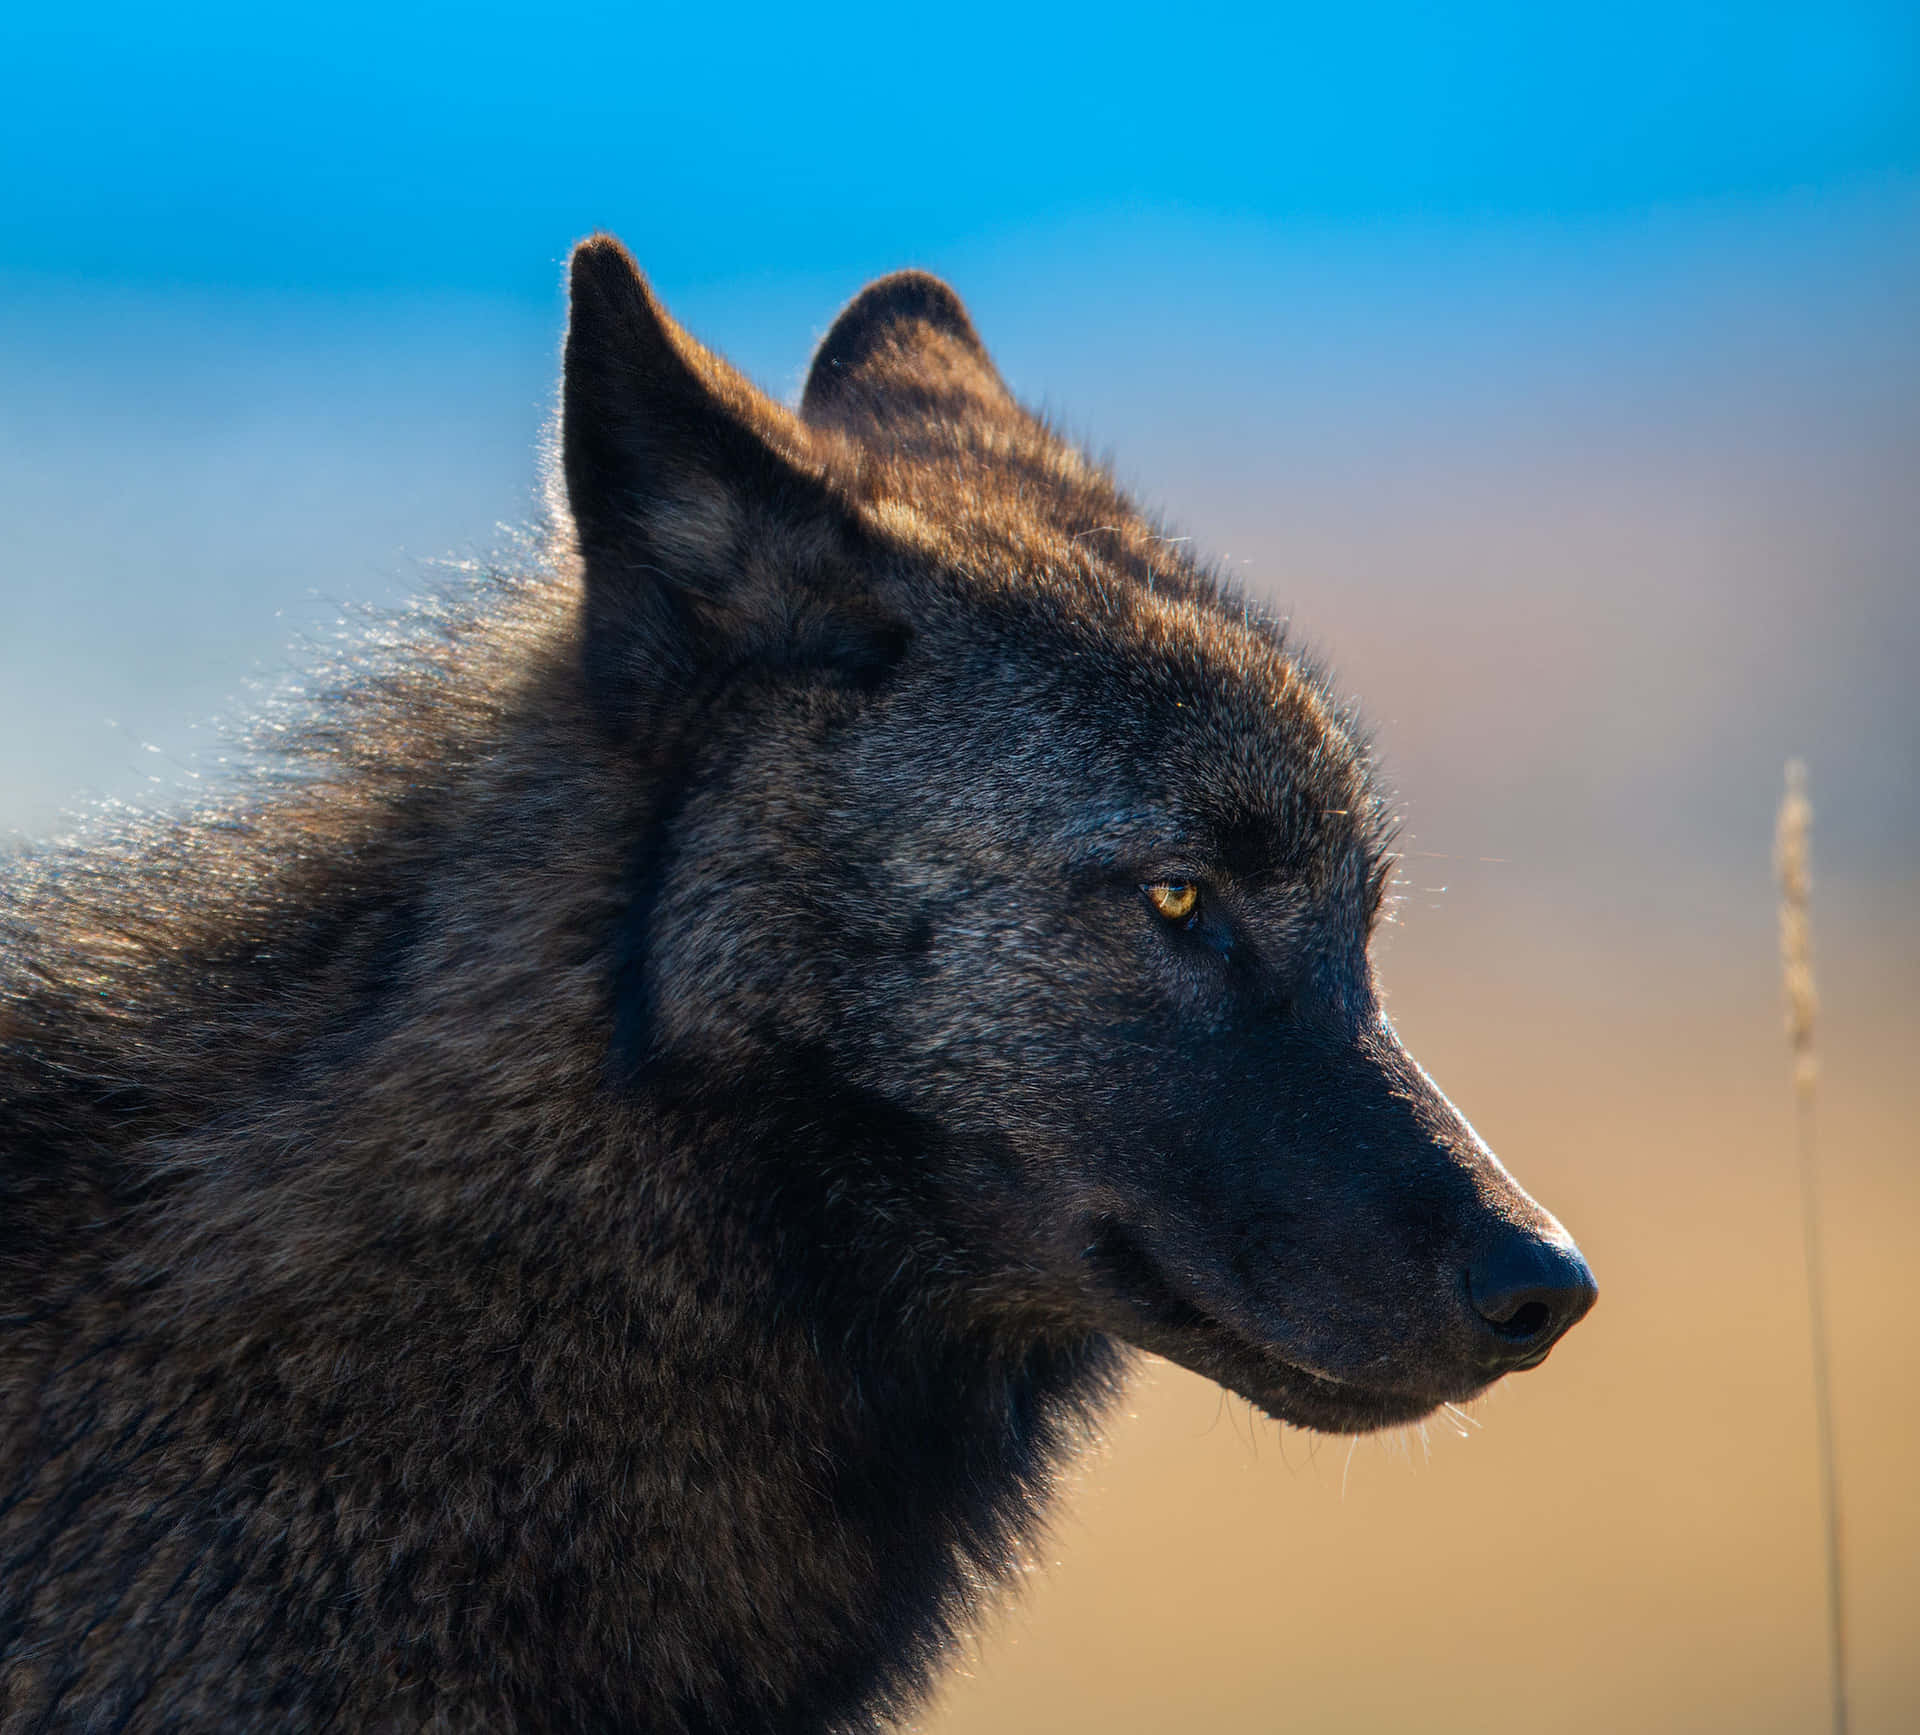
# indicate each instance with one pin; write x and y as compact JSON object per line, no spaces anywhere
{"x":1174,"y":722}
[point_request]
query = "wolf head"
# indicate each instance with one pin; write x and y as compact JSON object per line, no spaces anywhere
{"x":989,"y":833}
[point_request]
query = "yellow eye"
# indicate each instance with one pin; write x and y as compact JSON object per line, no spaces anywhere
{"x":1174,"y":899}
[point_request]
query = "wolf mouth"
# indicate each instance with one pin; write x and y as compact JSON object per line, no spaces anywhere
{"x":1167,"y":1323}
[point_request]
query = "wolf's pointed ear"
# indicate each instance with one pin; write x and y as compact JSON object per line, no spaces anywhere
{"x":902,"y":348}
{"x":707,"y":538}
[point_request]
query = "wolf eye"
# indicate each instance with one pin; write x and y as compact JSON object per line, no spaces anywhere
{"x":1175,"y":900}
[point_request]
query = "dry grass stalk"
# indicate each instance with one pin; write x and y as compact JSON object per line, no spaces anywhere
{"x":1793,"y":866}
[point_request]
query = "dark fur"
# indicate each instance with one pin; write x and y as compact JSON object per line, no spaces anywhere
{"x":596,"y":1197}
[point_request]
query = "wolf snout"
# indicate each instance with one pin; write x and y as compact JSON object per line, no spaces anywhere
{"x":1527,"y":1292}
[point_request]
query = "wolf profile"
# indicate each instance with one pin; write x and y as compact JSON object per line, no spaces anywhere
{"x":597,"y":1196}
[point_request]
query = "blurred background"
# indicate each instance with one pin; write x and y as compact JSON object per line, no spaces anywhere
{"x":1558,"y":371}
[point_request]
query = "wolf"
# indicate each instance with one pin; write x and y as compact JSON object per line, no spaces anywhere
{"x":599,"y":1193}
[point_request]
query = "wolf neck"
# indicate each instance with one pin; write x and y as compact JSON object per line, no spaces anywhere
{"x":428,"y":1319}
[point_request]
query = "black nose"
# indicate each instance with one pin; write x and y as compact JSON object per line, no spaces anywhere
{"x":1527,"y":1292}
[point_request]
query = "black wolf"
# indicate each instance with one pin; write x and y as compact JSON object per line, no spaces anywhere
{"x":596,"y":1197}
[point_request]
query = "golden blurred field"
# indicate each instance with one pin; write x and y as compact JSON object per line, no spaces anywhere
{"x":1630,"y":1541}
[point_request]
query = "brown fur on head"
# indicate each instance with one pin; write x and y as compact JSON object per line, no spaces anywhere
{"x":598,"y":1197}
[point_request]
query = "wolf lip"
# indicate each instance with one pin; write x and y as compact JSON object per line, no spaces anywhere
{"x":1167,"y":1323}
{"x":1171,"y":1325}
{"x":1140,"y":1280}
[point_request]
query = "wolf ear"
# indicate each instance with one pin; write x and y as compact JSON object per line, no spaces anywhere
{"x":902,"y":349}
{"x":706,"y":537}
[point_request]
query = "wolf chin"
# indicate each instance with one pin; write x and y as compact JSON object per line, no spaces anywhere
{"x":597,"y":1196}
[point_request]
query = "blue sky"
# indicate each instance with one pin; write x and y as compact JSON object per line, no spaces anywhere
{"x":460,"y":147}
